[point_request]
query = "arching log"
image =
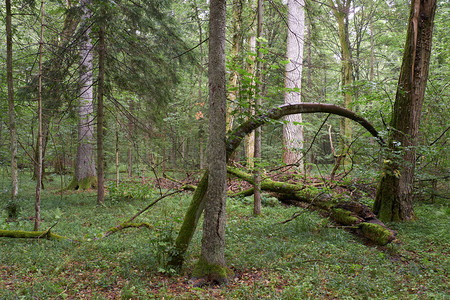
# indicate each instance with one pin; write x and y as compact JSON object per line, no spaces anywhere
{"x":234,"y":139}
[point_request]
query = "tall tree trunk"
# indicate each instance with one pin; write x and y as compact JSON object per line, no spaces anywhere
{"x":341,"y":10}
{"x":200,"y":94}
{"x":236,"y":45}
{"x":100,"y":93}
{"x":85,"y":173}
{"x":117,"y":151}
{"x":130,"y":139}
{"x":372,"y":50}
{"x":37,"y":206}
{"x":394,"y":199}
{"x":212,"y":261}
{"x":11,"y":113}
{"x":292,"y":131}
{"x":250,"y":139}
{"x":258,"y":94}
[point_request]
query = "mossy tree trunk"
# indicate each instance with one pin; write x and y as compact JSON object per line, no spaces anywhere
{"x":341,"y":11}
{"x":394,"y":199}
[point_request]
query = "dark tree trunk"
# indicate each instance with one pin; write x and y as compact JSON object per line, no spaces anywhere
{"x":37,"y":205}
{"x":100,"y":93}
{"x":259,"y":93}
{"x":11,"y":113}
{"x":211,"y":265}
{"x":394,"y":199}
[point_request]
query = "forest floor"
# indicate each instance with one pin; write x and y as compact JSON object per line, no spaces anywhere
{"x":308,"y":257}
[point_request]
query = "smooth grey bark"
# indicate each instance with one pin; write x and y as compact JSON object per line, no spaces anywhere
{"x":212,"y":259}
{"x":85,"y":173}
{"x":11,"y":113}
{"x":292,"y":132}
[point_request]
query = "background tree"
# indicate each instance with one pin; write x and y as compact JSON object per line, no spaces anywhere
{"x":11,"y":113}
{"x":341,"y":11}
{"x":85,"y":176}
{"x":293,"y":130}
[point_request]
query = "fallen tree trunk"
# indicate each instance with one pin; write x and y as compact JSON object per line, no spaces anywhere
{"x":354,"y":215}
{"x":234,"y":139}
{"x":47,"y":234}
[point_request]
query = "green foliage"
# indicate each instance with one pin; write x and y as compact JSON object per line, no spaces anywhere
{"x":127,"y":190}
{"x":163,"y":248}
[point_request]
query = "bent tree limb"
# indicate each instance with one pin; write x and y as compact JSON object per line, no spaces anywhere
{"x":234,"y":139}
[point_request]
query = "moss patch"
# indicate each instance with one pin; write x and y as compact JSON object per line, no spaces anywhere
{"x":343,"y":216}
{"x":190,"y":222}
{"x":376,"y":233}
{"x":83,"y":184}
{"x":211,"y":272}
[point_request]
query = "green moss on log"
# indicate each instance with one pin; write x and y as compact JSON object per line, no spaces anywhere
{"x":211,"y":272}
{"x":376,"y":233}
{"x":343,"y":217}
{"x":190,"y":222}
{"x":47,"y":234}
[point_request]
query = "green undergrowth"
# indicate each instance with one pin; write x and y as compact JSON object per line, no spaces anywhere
{"x":304,"y":258}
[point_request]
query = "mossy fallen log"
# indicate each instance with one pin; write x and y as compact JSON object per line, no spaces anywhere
{"x":350,"y":214}
{"x":377,"y":233}
{"x":22,"y":234}
{"x":190,"y":222}
{"x":125,"y":225}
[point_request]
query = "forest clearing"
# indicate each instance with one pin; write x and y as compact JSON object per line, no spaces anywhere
{"x":308,"y":257}
{"x":241,"y":149}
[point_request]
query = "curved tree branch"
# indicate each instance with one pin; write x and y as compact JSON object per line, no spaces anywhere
{"x":236,"y":136}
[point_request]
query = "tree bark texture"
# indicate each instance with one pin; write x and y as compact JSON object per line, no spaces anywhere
{"x":236,"y":45}
{"x":292,"y":131}
{"x":85,"y":173}
{"x":212,"y":261}
{"x":250,"y":138}
{"x":100,"y":93}
{"x":341,"y":10}
{"x":257,"y":199}
{"x":394,"y":199}
{"x":37,"y":204}
{"x":11,"y":113}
